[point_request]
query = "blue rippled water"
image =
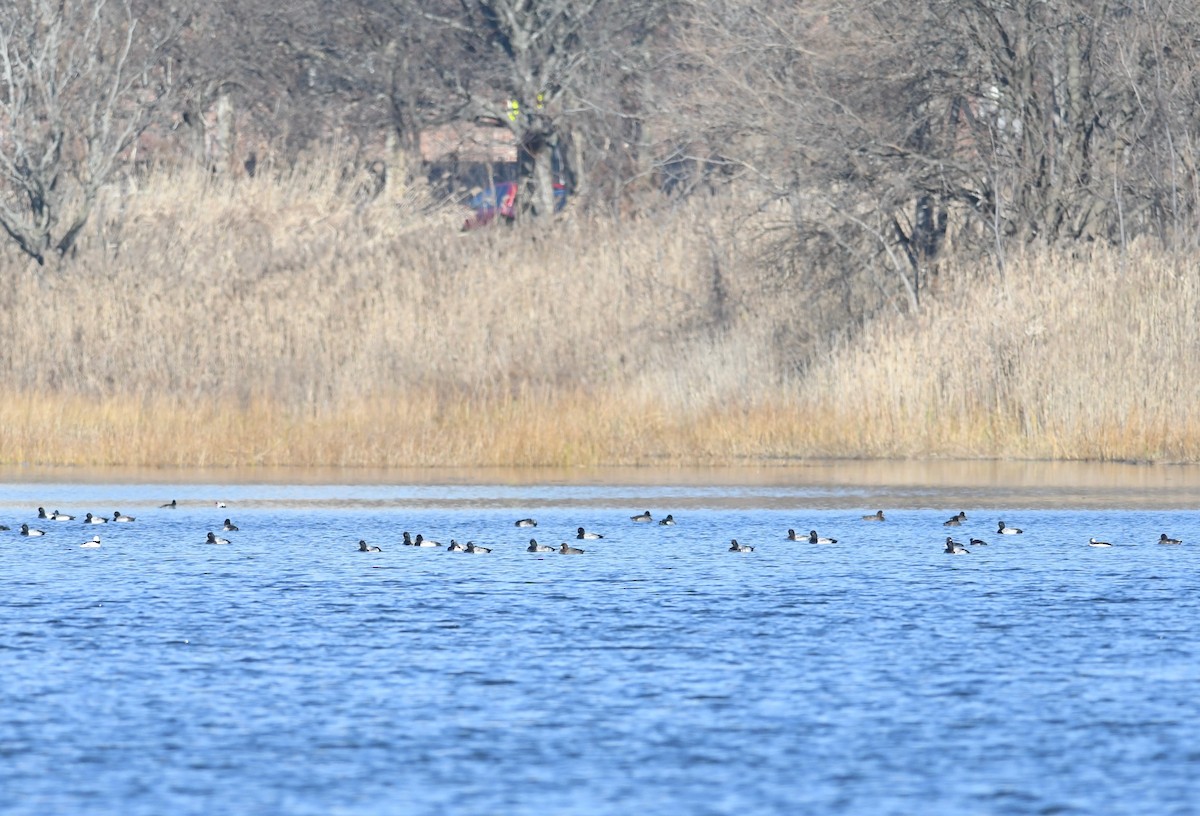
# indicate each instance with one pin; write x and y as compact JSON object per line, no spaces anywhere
{"x":655,"y":674}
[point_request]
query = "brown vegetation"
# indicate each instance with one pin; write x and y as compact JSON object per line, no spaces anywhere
{"x":785,"y":235}
{"x":1089,"y":356}
{"x":278,"y":322}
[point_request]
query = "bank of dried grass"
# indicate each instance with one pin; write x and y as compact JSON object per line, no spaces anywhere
{"x":295,"y":320}
{"x":1092,"y":356}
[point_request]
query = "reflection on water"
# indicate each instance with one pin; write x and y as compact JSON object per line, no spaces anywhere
{"x":657,"y":673}
{"x":838,"y":483}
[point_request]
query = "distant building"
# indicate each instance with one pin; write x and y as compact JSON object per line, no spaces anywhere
{"x":468,"y":143}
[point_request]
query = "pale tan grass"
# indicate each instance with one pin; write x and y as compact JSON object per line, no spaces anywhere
{"x":239,"y":293}
{"x":566,"y":429}
{"x":1061,"y":357}
{"x":292,"y":321}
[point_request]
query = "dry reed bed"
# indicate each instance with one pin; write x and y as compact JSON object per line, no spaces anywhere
{"x":1059,"y":357}
{"x":242,"y":292}
{"x":564,"y":429}
{"x":279,"y":321}
{"x":282,"y":322}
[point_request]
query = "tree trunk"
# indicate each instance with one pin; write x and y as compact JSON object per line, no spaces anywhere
{"x":543,"y":180}
{"x":223,"y":135}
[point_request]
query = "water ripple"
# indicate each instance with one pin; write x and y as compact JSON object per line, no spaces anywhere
{"x":657,"y":673}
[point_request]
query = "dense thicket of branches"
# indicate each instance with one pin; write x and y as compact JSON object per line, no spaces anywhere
{"x":78,"y":84}
{"x":870,"y":139}
{"x":891,"y":134}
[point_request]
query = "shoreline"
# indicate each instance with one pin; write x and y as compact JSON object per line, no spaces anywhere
{"x":860,"y":484}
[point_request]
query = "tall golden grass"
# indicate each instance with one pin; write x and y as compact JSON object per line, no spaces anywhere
{"x":286,"y":320}
{"x":1060,"y":357}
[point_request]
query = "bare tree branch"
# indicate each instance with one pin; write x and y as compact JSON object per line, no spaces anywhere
{"x":77,"y":87}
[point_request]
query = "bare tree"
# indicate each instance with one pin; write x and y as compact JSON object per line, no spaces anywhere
{"x":570,"y":81}
{"x":534,"y":66}
{"x":78,"y":84}
{"x":1082,"y":115}
{"x":882,"y":136}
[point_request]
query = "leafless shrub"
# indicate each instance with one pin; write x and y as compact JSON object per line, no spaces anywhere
{"x":79,"y":81}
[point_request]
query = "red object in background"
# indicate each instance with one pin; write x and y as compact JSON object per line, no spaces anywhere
{"x":501,"y":200}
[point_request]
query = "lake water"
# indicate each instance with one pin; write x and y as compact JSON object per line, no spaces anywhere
{"x":657,"y":673}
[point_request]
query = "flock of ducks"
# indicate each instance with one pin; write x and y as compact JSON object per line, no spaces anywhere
{"x":953,"y":547}
{"x":117,"y":518}
{"x":958,"y":548}
{"x":534,"y":547}
{"x":409,"y":540}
